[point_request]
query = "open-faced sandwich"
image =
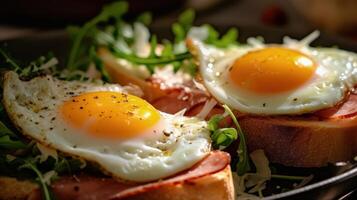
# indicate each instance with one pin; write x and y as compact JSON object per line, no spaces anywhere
{"x":196,"y":118}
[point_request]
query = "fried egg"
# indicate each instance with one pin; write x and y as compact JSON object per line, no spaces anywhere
{"x":275,"y":79}
{"x":101,"y":123}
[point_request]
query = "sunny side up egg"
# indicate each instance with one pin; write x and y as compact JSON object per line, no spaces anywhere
{"x":275,"y":79}
{"x":101,"y":123}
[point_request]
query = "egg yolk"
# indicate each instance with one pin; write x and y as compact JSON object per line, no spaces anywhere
{"x":110,"y":115}
{"x":272,"y":70}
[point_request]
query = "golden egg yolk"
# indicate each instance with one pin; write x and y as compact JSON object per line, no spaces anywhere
{"x":272,"y":70}
{"x":110,"y":115}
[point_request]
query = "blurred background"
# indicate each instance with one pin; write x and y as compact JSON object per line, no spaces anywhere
{"x":20,"y":18}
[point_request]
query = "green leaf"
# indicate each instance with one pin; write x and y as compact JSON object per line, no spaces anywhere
{"x":6,"y":131}
{"x":7,"y":143}
{"x":179,"y":32}
{"x":9,"y":60}
{"x":99,"y":64}
{"x":145,"y":18}
{"x":47,"y":195}
{"x":212,"y":35}
{"x":73,"y":31}
{"x":113,"y":10}
{"x":213,"y":123}
{"x":153,"y":46}
{"x":67,"y":165}
{"x":186,"y":19}
{"x":183,"y":25}
{"x":229,"y":38}
{"x":223,"y":137}
{"x":167,"y":50}
{"x":243,"y":164}
{"x":149,"y":61}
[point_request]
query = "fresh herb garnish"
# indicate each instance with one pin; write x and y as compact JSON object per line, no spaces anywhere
{"x":243,"y":163}
{"x":230,"y":38}
{"x":150,"y":61}
{"x":10,"y":144}
{"x":30,"y":164}
{"x":183,"y":25}
{"x":113,"y":10}
{"x":223,"y":137}
{"x":145,"y":18}
{"x":13,"y":64}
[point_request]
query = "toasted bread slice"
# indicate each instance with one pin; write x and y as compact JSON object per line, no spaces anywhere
{"x":301,"y":141}
{"x":13,"y":189}
{"x":210,"y":179}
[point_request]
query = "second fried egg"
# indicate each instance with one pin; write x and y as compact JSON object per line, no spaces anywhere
{"x":273,"y":79}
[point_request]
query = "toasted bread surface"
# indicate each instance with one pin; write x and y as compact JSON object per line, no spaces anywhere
{"x":210,"y":187}
{"x":292,"y":144}
{"x":14,"y":189}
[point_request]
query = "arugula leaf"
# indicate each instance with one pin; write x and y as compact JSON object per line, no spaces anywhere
{"x":183,"y":25}
{"x":68,"y":165}
{"x":4,"y":130}
{"x":149,"y":61}
{"x":179,"y":32}
{"x":243,"y":163}
{"x":186,"y":19}
{"x":113,"y":10}
{"x":223,"y":137}
{"x":168,"y":49}
{"x":153,"y":46}
{"x":230,"y":38}
{"x":213,"y":35}
{"x":145,"y":18}
{"x":99,"y":64}
{"x":9,"y":60}
{"x":29,"y":164}
{"x":213,"y":123}
{"x":7,"y":143}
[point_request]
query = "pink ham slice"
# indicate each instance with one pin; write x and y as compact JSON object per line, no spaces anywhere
{"x":93,"y":188}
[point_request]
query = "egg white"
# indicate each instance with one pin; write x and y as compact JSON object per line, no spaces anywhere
{"x":336,"y":74}
{"x":176,"y":144}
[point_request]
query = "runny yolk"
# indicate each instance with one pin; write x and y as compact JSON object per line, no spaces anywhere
{"x":272,"y":70}
{"x":110,"y":115}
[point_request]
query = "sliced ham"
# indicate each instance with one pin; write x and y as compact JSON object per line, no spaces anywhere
{"x":93,"y":188}
{"x":346,"y":109}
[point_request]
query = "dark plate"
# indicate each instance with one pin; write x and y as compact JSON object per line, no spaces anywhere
{"x":331,"y":182}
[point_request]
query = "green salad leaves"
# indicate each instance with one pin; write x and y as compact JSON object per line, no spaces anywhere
{"x":114,"y":10}
{"x":111,"y":31}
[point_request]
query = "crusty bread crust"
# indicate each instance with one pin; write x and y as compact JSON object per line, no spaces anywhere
{"x":291,"y":143}
{"x":211,"y":187}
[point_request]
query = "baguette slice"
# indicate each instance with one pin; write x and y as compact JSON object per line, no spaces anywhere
{"x":209,"y":179}
{"x":311,"y":140}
